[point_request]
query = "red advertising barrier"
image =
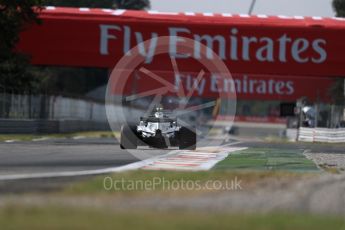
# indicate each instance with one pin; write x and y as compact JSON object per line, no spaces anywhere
{"x":302,"y":46}
{"x":246,"y":86}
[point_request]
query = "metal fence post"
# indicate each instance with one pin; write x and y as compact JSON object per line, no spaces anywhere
{"x":3,"y":106}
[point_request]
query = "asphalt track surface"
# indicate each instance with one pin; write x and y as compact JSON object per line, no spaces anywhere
{"x":61,"y":155}
{"x":58,"y":155}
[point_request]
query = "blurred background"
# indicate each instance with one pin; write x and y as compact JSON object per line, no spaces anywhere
{"x":59,"y":97}
{"x":56,"y":67}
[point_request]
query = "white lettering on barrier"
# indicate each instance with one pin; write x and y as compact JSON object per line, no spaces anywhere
{"x":233,"y":48}
{"x":244,"y":85}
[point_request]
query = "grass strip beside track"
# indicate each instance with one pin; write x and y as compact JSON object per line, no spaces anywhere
{"x":267,"y":159}
{"x":142,"y":182}
{"x":52,"y":217}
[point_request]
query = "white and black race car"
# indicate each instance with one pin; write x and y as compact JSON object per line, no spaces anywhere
{"x":158,"y":130}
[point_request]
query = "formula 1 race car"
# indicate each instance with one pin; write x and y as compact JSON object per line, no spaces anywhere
{"x":158,"y":130}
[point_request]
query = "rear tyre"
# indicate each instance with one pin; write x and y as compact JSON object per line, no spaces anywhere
{"x":187,"y":138}
{"x":128,"y":137}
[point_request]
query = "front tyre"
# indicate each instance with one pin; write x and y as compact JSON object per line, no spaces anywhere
{"x":128,"y":137}
{"x":187,"y":138}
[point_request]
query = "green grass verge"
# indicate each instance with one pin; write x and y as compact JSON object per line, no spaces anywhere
{"x":142,"y":182}
{"x":268,"y":159}
{"x":29,"y":137}
{"x":72,"y":218}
